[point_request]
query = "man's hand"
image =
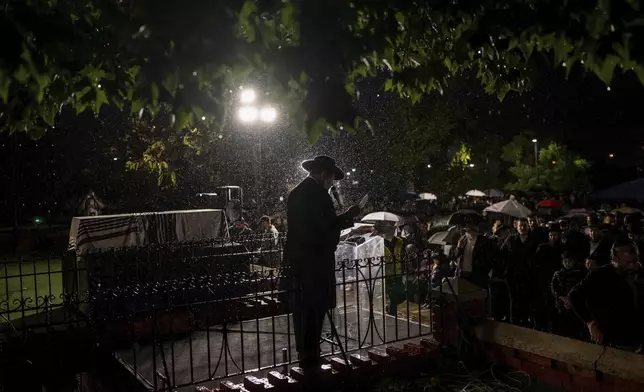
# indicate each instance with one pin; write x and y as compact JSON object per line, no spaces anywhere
{"x":354,"y":211}
{"x":596,"y":334}
{"x":566,"y":301}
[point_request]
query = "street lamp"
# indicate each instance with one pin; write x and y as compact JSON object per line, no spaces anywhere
{"x":268,"y":114}
{"x":536,"y":158}
{"x":249,"y":113}
{"x":247,"y":96}
{"x":471,"y":165}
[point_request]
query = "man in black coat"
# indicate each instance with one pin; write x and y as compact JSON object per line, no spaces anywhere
{"x":519,"y":252}
{"x":599,"y":247}
{"x":606,"y":300}
{"x":312,"y":238}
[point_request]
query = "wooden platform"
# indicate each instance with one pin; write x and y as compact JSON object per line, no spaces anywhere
{"x":226,"y":351}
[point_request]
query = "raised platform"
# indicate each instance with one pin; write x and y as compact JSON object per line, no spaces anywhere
{"x":225,"y":351}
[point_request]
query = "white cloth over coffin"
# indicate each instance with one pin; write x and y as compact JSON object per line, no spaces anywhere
{"x":199,"y":225}
{"x":126,"y":230}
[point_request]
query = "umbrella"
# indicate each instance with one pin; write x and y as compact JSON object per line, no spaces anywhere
{"x":551,"y":203}
{"x":510,"y":207}
{"x":358,"y":228}
{"x":578,"y":213}
{"x":448,"y":237}
{"x":382,"y":216}
{"x":407,"y":196}
{"x":458,"y":218}
{"x":494,"y":193}
{"x":427,"y":196}
{"x":626,"y":191}
{"x":626,"y":210}
{"x":475,"y":193}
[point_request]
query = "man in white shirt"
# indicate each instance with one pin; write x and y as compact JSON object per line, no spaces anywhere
{"x":476,"y":255}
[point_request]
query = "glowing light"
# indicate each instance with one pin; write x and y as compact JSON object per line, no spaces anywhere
{"x":554,"y":162}
{"x":348,"y":173}
{"x":248,"y":114}
{"x":353,"y":170}
{"x":281,"y":198}
{"x":116,"y":159}
{"x":471,"y":165}
{"x":534,"y":140}
{"x":611,"y":156}
{"x":268,"y":114}
{"x":203,"y":118}
{"x":247,"y":96}
{"x":429,"y":166}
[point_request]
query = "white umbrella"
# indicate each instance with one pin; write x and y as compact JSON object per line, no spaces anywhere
{"x":494,"y":193}
{"x":475,"y":193}
{"x":427,"y":196}
{"x":510,"y":207}
{"x":382,"y":216}
{"x":626,"y":210}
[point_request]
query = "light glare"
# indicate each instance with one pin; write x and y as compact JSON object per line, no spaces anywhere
{"x":247,"y":96}
{"x":268,"y":114}
{"x":248,"y":114}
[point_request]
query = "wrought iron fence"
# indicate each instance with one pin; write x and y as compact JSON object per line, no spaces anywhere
{"x":39,"y":292}
{"x":186,"y":314}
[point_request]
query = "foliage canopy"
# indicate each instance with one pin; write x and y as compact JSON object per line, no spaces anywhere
{"x":191,"y":55}
{"x":556,"y":168}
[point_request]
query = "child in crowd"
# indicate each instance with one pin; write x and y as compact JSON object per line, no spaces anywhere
{"x":566,"y":322}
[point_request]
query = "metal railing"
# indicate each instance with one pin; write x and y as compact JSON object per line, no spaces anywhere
{"x":187,"y":314}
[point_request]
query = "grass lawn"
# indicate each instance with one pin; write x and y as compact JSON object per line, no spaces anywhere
{"x":24,"y":282}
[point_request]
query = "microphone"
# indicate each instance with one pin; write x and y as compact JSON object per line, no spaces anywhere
{"x":336,"y":196}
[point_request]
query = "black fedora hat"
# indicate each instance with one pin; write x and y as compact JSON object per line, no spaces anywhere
{"x":323,"y":163}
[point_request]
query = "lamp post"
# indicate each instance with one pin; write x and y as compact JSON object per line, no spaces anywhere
{"x":536,"y":157}
{"x":253,"y":112}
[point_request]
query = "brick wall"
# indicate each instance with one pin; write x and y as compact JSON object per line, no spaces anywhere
{"x":567,"y":363}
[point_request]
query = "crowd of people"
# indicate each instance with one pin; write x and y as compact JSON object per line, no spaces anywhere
{"x":580,"y":281}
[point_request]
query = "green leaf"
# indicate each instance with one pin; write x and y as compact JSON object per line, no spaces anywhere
{"x":21,"y":74}
{"x":5,"y":84}
{"x":36,"y":132}
{"x":502,"y":89}
{"x":288,"y":14}
{"x":596,"y":23}
{"x":639,"y":71}
{"x":170,"y":82}
{"x":154,"y":91}
{"x":136,"y":106}
{"x":317,"y":129}
{"x":183,"y":117}
{"x":607,"y":69}
{"x":48,"y":114}
{"x":101,"y":98}
{"x":247,"y":10}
